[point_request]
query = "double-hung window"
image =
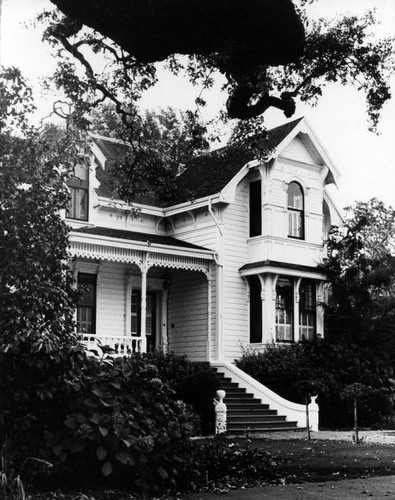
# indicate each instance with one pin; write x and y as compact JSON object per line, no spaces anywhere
{"x":307,"y":310}
{"x":86,"y":310}
{"x":78,"y":203}
{"x":284,"y":310}
{"x":295,"y":211}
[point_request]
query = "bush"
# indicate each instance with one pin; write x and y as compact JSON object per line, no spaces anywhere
{"x":219,"y":465}
{"x":125,"y":425}
{"x":323,"y":368}
{"x":194,"y":383}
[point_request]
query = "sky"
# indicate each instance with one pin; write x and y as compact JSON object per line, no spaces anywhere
{"x":366,"y":160}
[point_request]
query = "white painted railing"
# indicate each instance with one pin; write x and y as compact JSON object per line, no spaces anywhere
{"x":122,"y":346}
{"x":293,"y":411}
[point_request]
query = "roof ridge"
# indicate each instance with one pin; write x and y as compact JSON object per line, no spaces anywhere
{"x":109,"y":139}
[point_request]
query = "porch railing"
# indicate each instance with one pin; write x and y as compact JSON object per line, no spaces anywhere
{"x":122,"y":346}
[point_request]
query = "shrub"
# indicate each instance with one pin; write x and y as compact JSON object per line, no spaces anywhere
{"x":326,"y":368}
{"x":194,"y":383}
{"x":125,"y":425}
{"x":219,"y":464}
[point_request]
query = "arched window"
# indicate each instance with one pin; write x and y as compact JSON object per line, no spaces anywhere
{"x":295,"y":211}
{"x":307,"y":310}
{"x":284,"y":310}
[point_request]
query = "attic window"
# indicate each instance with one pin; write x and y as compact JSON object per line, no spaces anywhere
{"x":78,"y":203}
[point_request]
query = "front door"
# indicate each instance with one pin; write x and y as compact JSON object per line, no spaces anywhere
{"x":150,"y":324}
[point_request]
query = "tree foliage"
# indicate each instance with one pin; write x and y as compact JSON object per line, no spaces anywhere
{"x":360,"y":267}
{"x":166,"y":140}
{"x":269,"y":53}
{"x":39,"y":352}
{"x":263,"y":50}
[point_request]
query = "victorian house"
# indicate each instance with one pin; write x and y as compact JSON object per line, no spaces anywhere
{"x":232,"y":267}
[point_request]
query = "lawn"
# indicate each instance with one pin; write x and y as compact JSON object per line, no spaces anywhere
{"x":301,"y":460}
{"x":297,"y":461}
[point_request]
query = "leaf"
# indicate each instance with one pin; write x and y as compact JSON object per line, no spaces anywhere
{"x":78,"y":446}
{"x":103,"y":431}
{"x":57,"y":449}
{"x":101,"y":453}
{"x":98,"y":393}
{"x":122,"y":457}
{"x":107,"y":468}
{"x":71,"y":423}
{"x":163,"y":474}
{"x":116,"y":385}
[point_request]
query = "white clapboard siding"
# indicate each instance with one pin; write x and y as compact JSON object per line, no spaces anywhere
{"x":235,"y":322}
{"x":188,"y":322}
{"x":203,"y":232}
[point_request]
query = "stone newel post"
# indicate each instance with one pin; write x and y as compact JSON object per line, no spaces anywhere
{"x":314,"y":414}
{"x":220,"y":413}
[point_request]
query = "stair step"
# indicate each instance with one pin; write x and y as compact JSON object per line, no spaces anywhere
{"x":243,"y":419}
{"x":256,"y":412}
{"x":244,"y":407}
{"x":236,"y":390}
{"x":242,"y":400}
{"x":245,"y":396}
{"x":229,"y":385}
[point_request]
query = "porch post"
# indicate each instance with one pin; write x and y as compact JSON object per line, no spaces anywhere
{"x":209,"y":313}
{"x":263,"y":305}
{"x":296,"y":309}
{"x":144,"y":271}
{"x":165,"y":338}
{"x":320,"y":309}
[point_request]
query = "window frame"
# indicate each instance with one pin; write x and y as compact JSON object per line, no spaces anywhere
{"x":296,"y":212}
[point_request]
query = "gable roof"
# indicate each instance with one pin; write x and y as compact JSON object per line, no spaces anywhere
{"x":208,"y":174}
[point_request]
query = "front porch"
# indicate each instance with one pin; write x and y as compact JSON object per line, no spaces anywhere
{"x":141,"y":296}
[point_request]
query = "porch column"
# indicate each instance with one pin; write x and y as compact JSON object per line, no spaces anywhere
{"x":320,"y":308}
{"x":165,"y":337}
{"x":144,"y":271}
{"x":296,"y":309}
{"x":263,"y":304}
{"x":209,"y":313}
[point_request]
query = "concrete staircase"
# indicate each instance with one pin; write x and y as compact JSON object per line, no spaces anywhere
{"x":247,"y":414}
